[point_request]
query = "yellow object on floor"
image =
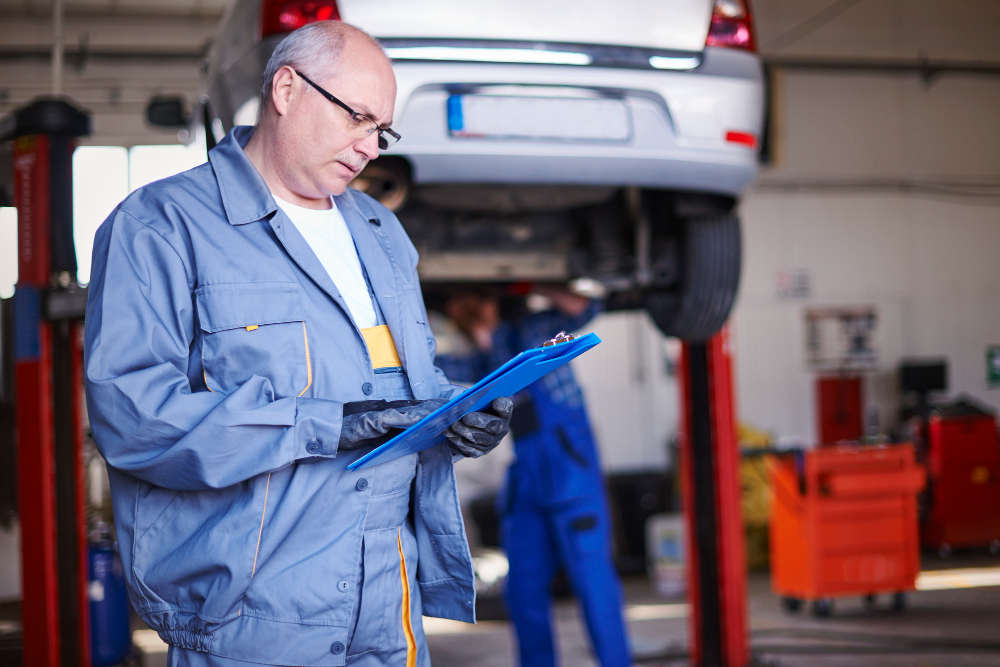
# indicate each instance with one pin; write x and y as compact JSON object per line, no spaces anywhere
{"x":756,"y":495}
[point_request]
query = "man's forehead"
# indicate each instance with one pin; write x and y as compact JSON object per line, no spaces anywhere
{"x":361,"y":84}
{"x":363,"y":100}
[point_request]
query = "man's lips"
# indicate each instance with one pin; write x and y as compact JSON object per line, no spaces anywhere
{"x":350,"y":167}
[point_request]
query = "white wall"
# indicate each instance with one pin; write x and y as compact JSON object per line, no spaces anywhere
{"x":631,"y":392}
{"x":886,"y":192}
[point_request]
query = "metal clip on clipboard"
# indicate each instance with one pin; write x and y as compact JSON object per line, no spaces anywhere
{"x":507,"y":380}
{"x":561,"y":337}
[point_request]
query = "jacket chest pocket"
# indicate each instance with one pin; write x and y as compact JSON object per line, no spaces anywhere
{"x":254,"y":329}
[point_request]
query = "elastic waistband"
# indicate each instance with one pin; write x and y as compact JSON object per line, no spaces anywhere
{"x":253,"y":639}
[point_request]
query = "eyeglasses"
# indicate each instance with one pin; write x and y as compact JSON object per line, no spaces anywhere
{"x":359,"y":121}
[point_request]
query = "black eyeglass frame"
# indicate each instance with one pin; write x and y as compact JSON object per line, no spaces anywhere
{"x":383,"y":143}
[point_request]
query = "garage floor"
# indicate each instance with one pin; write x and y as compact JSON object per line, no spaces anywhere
{"x":954,"y":627}
{"x":944,"y":627}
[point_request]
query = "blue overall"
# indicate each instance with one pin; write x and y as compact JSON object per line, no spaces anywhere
{"x":218,"y":357}
{"x":554,"y":508}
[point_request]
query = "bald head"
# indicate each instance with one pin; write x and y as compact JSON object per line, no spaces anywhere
{"x":308,"y":144}
{"x":315,"y":49}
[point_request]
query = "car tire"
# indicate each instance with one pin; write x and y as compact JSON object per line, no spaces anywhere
{"x":388,"y":180}
{"x":699,"y":305}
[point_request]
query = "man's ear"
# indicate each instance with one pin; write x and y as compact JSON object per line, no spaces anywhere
{"x":283,"y":89}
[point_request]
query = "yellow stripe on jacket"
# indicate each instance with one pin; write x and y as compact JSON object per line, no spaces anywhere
{"x":411,"y":642}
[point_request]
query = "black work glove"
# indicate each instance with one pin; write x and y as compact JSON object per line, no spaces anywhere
{"x":477,"y":433}
{"x":371,"y":423}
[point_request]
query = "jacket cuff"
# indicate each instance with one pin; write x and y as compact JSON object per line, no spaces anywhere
{"x":317,"y":428}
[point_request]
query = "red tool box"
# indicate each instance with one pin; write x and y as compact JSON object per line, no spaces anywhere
{"x":839,"y":408}
{"x":963,"y":465}
{"x":844,"y":522}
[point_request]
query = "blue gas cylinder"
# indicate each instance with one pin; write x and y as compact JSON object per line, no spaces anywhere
{"x":110,"y":635}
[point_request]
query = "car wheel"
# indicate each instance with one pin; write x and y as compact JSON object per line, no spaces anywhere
{"x":387,"y":179}
{"x":698,"y":306}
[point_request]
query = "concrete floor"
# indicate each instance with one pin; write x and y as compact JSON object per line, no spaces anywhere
{"x":958,"y":627}
{"x":953,"y":628}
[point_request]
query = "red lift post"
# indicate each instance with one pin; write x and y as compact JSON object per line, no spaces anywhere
{"x":47,"y":355}
{"x":710,"y":491}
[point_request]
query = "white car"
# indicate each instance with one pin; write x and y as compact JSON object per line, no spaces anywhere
{"x":551,"y":141}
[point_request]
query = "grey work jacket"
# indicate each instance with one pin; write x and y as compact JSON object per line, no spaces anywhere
{"x":218,"y":356}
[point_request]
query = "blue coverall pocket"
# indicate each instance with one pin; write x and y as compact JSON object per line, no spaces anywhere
{"x":587,"y":533}
{"x":254,"y":329}
{"x":198,"y":555}
{"x":368,"y":623}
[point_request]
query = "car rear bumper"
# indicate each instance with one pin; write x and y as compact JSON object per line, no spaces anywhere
{"x":680,"y":120}
{"x":719,"y":171}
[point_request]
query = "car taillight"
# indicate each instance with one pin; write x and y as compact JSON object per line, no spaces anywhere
{"x":732,"y":25}
{"x":281,"y":16}
{"x":743,"y":138}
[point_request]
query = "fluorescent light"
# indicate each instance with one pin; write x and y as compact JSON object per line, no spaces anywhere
{"x":940,"y":580}
{"x":487,"y":55}
{"x":655,"y":612}
{"x":666,"y":62}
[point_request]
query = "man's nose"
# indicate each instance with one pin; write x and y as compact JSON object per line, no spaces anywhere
{"x":368,"y":146}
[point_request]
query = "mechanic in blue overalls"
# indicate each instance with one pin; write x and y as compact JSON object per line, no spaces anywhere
{"x":554,"y":509}
{"x":254,"y":326}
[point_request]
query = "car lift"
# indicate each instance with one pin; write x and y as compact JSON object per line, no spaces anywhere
{"x":48,"y":308}
{"x":710,"y":493}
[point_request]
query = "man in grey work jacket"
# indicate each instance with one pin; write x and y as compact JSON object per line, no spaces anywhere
{"x":234,"y":368}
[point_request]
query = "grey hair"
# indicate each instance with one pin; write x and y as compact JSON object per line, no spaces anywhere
{"x":316,"y":45}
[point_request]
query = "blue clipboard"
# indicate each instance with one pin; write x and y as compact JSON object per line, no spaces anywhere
{"x":507,"y":380}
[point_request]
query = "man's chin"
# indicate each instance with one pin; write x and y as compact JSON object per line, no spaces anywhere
{"x":336,"y":187}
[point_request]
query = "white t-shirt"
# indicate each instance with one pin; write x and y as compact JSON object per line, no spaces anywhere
{"x":327,"y":234}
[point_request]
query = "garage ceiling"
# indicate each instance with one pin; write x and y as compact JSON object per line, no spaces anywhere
{"x":118,"y":54}
{"x":121,"y":52}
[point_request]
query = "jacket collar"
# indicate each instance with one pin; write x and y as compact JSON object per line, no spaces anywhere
{"x":376,"y":256}
{"x":370,"y":244}
{"x":245,"y":195}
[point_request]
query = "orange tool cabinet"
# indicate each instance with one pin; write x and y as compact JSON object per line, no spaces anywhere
{"x":844,"y":522}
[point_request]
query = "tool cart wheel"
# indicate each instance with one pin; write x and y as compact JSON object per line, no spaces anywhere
{"x":791,"y":605}
{"x":822,"y":608}
{"x":899,"y":601}
{"x":869,"y":601}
